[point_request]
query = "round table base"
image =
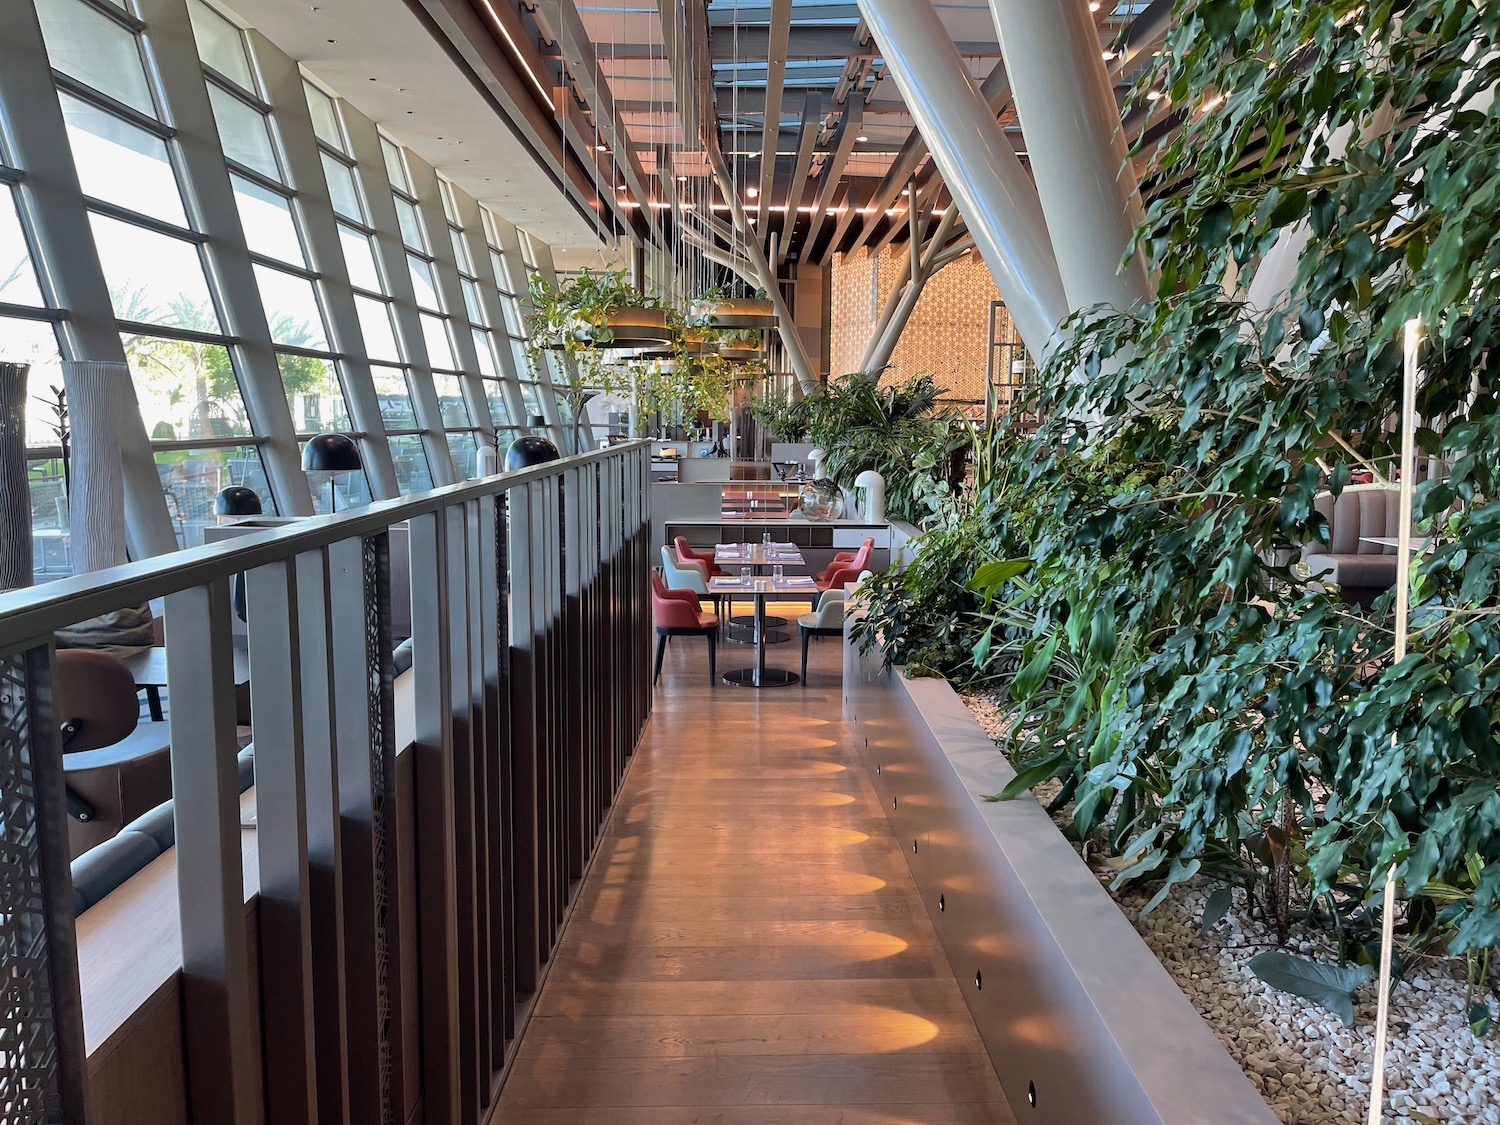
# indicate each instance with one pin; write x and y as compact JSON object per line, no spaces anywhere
{"x":752,"y":677}
{"x":747,"y":621}
{"x":773,"y":637}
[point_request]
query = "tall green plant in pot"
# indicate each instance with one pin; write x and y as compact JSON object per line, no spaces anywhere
{"x":897,"y":430}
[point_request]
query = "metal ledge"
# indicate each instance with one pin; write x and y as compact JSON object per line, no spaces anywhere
{"x":1080,"y":1019}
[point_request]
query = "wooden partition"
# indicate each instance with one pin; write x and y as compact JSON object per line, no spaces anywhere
{"x":401,"y":927}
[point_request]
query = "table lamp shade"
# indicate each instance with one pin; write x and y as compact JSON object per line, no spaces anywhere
{"x":331,"y":453}
{"x":525,"y":452}
{"x":236,"y":500}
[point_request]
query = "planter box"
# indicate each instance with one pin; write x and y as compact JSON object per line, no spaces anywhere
{"x":1083,"y":1024}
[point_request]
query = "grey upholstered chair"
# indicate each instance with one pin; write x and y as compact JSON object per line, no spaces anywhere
{"x":1360,"y":569}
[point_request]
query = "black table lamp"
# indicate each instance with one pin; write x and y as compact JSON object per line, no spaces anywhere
{"x":527,"y":451}
{"x":331,"y":453}
{"x":237,"y":500}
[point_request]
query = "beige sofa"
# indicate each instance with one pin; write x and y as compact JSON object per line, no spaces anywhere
{"x":1361,"y":570}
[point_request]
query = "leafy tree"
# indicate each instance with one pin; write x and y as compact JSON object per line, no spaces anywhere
{"x":1207,"y":711}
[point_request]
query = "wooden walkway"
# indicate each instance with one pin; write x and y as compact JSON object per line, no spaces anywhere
{"x":750,"y":948}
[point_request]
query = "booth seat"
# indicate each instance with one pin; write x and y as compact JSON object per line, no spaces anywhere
{"x":1361,"y":570}
{"x":104,"y":867}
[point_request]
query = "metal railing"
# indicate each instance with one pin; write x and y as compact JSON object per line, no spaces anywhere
{"x":530,"y":620}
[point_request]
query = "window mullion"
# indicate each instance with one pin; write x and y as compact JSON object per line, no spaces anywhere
{"x":207,"y":180}
{"x":390,"y":253}
{"x":284,"y":85}
{"x":53,"y":208}
{"x":546,"y":384}
{"x":136,"y":218}
{"x":445,"y":276}
{"x":472,"y":218}
{"x":86,"y":93}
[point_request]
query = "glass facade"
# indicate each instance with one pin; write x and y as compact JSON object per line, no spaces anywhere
{"x":227,"y":312}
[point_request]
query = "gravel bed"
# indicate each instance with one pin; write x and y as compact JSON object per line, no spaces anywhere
{"x":1311,"y":1069}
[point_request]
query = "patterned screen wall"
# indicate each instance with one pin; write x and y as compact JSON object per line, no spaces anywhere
{"x":40,"y":1045}
{"x":947,"y":336}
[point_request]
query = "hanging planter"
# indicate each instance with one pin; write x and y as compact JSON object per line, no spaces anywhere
{"x":618,"y":329}
{"x":744,"y":312}
{"x":698,"y":343}
{"x":737,"y":353}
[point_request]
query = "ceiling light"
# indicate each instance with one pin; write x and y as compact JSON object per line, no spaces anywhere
{"x":1153,"y":95}
{"x":751,"y":193}
{"x":682,"y":179}
{"x":861,"y":138}
{"x":1107,"y":56}
{"x":1093,"y":5}
{"x":906,"y":191}
{"x":601,"y":148}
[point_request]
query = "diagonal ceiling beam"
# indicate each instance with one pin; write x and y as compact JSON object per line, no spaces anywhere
{"x":812,"y":122}
{"x":781,"y":22}
{"x":675,"y":49}
{"x":855,"y":198}
{"x":833,"y":167}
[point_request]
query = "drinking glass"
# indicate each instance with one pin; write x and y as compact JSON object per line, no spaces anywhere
{"x":765,"y":540}
{"x":744,"y":576}
{"x":778,"y":572}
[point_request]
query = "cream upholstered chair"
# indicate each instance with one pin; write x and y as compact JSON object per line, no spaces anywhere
{"x":826,"y":620}
{"x":689,"y":575}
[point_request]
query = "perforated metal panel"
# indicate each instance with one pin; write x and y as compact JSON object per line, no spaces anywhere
{"x":382,"y":792}
{"x":35,"y":1086}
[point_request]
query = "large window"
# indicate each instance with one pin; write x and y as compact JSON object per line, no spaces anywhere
{"x":27,"y":336}
{"x":514,"y":338}
{"x":140,"y":126}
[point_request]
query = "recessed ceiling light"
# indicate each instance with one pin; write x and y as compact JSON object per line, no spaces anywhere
{"x":1153,"y":95}
{"x":752,"y":192}
{"x":1107,"y":56}
{"x":861,"y":138}
{"x":1093,"y":5}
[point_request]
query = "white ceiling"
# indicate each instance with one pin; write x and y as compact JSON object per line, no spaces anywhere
{"x":378,"y":56}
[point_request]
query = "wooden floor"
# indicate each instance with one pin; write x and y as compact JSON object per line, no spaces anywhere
{"x":750,"y":948}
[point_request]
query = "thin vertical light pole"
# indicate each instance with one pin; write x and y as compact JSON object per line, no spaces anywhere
{"x":1403,"y":617}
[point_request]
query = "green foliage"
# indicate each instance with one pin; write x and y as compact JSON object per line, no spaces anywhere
{"x":896,"y":430}
{"x":785,"y":413}
{"x":572,"y":318}
{"x":1209,"y":713}
{"x":1331,"y":986}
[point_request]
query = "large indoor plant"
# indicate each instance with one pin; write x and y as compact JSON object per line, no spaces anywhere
{"x":1207,"y":713}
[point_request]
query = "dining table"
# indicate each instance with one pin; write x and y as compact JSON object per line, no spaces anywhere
{"x":757,"y":557}
{"x":148,"y":668}
{"x":759,"y":588}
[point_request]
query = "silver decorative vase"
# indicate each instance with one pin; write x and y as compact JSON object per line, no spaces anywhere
{"x":15,"y":492}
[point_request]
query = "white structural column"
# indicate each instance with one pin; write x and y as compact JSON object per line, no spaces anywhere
{"x":1071,"y":122}
{"x":996,"y":197}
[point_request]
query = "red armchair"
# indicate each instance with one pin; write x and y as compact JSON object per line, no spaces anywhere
{"x":838,"y":573}
{"x":846,"y":559}
{"x":677,"y":613}
{"x":685,"y":554}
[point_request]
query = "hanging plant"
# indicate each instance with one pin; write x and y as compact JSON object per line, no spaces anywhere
{"x":582,"y":318}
